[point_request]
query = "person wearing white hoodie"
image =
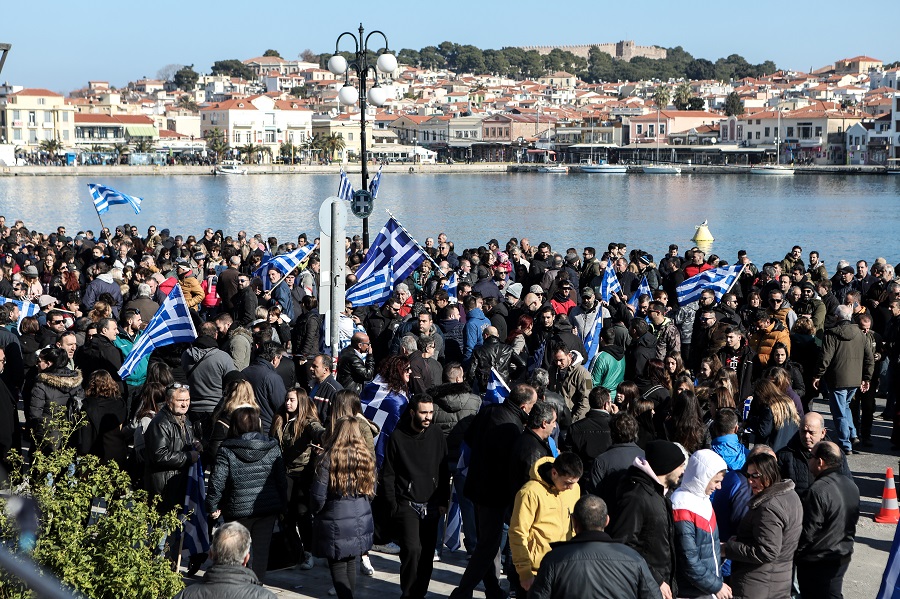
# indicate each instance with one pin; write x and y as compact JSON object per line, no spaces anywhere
{"x":699,"y":556}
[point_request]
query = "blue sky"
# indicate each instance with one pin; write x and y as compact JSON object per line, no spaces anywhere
{"x":64,"y":44}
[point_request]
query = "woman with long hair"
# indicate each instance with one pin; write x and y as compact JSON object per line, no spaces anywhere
{"x":675,"y":366}
{"x":105,"y":412}
{"x":151,"y":398}
{"x":783,"y":381}
{"x":658,"y":386}
{"x":297,"y":429}
{"x":752,"y":303}
{"x":773,"y":418}
{"x":707,"y":370}
{"x":684,"y":424}
{"x":100,"y":311}
{"x":643,"y":411}
{"x":517,"y":338}
{"x":238,"y":394}
{"x":341,"y":495}
{"x":627,"y":393}
{"x":248,"y":484}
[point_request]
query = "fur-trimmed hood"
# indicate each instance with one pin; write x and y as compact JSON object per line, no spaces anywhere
{"x":63,"y":379}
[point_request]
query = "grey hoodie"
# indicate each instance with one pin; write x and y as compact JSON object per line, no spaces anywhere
{"x":205,"y":366}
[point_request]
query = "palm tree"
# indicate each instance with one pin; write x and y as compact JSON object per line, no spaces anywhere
{"x":661,"y":96}
{"x":120,"y":149}
{"x":51,"y":146}
{"x":287,"y":150}
{"x":683,"y":94}
{"x":253,"y":152}
{"x":143,"y":145}
{"x":215,"y":141}
{"x":187,"y":103}
{"x":333,"y":144}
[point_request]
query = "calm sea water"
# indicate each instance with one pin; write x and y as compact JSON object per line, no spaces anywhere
{"x":843,"y":217}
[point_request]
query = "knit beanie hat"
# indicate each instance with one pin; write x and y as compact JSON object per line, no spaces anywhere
{"x":663,"y":456}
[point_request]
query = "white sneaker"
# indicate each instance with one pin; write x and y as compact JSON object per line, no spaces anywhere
{"x":391,"y":548}
{"x":437,"y":556}
{"x":307,"y":562}
{"x":332,"y":592}
{"x":365,"y":566}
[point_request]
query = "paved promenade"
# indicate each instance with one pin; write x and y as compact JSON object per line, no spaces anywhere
{"x":863,"y":578}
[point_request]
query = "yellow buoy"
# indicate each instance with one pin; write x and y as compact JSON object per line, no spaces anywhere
{"x":702,"y":234}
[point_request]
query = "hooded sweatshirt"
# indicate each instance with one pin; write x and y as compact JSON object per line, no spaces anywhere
{"x":204,"y":365}
{"x":608,"y":368}
{"x":696,"y":533}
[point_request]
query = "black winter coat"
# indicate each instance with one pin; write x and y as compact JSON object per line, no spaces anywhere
{"x":830,"y":514}
{"x":100,"y":354}
{"x":102,"y":434}
{"x":305,"y":334}
{"x":641,"y":351}
{"x":527,"y":450}
{"x":167,"y":444}
{"x":353,"y":372}
{"x":644,"y":522}
{"x":60,"y":388}
{"x":745,"y":363}
{"x":793,"y":462}
{"x":589,"y":437}
{"x":268,"y":387}
{"x":455,"y":407}
{"x":491,"y":437}
{"x":493,"y":354}
{"x":343,"y":525}
{"x":227,"y":582}
{"x":249,"y":478}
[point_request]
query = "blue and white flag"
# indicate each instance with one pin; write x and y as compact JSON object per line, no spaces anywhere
{"x":196,"y":530}
{"x":643,"y":289}
{"x":285,"y":263}
{"x":537,"y":360}
{"x":610,"y":284}
{"x":497,"y":390}
{"x":718,"y":280}
{"x":592,"y":340}
{"x":376,"y":183}
{"x":262,"y":273}
{"x":104,"y":197}
{"x":452,"y":284}
{"x":395,"y":244}
{"x":171,"y":324}
{"x":890,"y":580}
{"x":25,"y":308}
{"x":383,"y":407}
{"x":374,"y":290}
{"x":453,"y":530}
{"x":345,"y":191}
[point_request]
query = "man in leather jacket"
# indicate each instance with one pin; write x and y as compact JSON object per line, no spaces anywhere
{"x":356,"y":366}
{"x":494,"y":354}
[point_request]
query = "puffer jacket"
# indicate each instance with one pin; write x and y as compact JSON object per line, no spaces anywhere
{"x":297,"y":450}
{"x":60,"y":388}
{"x":493,"y":354}
{"x":696,"y":534}
{"x":847,"y":357}
{"x":541,"y":515}
{"x":193,"y":292}
{"x":249,"y":478}
{"x":455,"y":406}
{"x":167,"y":445}
{"x":762,"y":552}
{"x":762,"y":341}
{"x":343,"y":525}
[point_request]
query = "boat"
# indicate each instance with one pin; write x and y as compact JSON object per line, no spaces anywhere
{"x":230,"y":167}
{"x":777,"y":169}
{"x":604,"y":167}
{"x":893,"y":166}
{"x":554,"y":168}
{"x":662,"y":169}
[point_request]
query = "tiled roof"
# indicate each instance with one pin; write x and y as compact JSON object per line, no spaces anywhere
{"x":36,"y":91}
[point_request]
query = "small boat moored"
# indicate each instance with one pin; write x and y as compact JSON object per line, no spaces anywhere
{"x":776,"y":170}
{"x":554,"y":168}
{"x":230,"y":167}
{"x":662,"y":169}
{"x":604,"y":167}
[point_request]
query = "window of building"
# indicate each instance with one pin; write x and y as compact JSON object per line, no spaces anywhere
{"x":767,"y":132}
{"x":48,"y":116}
{"x":818,"y":132}
{"x":662,"y":128}
{"x":349,"y":137}
{"x":640,"y":129}
{"x":790,"y":132}
{"x":651,"y":130}
{"x":65,"y":117}
{"x":17,"y":134}
{"x":32,"y":117}
{"x":32,"y":136}
{"x":237,"y":137}
{"x":749,"y":135}
{"x":16,"y":115}
{"x":65,"y":135}
{"x":42,"y":101}
{"x":248,"y":138}
{"x":759,"y":121}
{"x":270,"y":137}
{"x":757,"y":135}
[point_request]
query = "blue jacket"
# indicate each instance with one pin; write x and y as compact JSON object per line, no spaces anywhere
{"x":699,"y":558}
{"x":476,"y":322}
{"x":730,"y":502}
{"x":730,"y":449}
{"x":281,"y":295}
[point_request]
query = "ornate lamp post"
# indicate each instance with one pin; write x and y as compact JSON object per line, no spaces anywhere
{"x":378,"y":94}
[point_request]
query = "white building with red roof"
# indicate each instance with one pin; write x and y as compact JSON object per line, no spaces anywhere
{"x":32,"y":115}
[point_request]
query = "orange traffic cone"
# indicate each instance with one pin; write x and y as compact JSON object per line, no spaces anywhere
{"x":889,"y":514}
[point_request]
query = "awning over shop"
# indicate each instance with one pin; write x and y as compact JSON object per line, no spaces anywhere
{"x":140,"y":130}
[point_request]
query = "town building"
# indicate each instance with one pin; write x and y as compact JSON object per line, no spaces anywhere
{"x":29,"y":116}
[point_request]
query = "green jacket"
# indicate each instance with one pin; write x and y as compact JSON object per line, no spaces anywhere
{"x":139,"y":376}
{"x":608,"y":369}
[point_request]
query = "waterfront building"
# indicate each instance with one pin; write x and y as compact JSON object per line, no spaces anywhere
{"x":31,"y":115}
{"x":260,"y":121}
{"x":108,"y":130}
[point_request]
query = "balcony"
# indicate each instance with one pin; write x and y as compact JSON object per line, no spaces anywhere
{"x":811,"y":142}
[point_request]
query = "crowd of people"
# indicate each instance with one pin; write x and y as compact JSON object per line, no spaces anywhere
{"x":645,"y":448}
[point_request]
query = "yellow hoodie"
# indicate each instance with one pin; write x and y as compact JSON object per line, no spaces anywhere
{"x":541,"y":515}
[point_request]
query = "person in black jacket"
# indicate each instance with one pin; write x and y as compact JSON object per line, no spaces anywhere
{"x":105,"y":411}
{"x":491,"y":437}
{"x":641,"y":351}
{"x":494,"y":354}
{"x":356,"y":365}
{"x":249,"y":483}
{"x":244,"y":302}
{"x":268,"y":386}
{"x":532,"y":445}
{"x":590,"y":436}
{"x":738,"y":356}
{"x":643,"y":518}
{"x":100,"y":354}
{"x":830,"y":514}
{"x":417,"y":488}
{"x":8,"y":418}
{"x":793,"y":459}
{"x":323,"y":385}
{"x":592,"y":564}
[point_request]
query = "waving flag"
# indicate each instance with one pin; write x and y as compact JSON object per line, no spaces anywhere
{"x":383,"y":407}
{"x":609,"y":284}
{"x":718,"y":280}
{"x":106,"y":196}
{"x":374,"y":290}
{"x":454,"y":524}
{"x":450,"y":287}
{"x":592,"y":340}
{"x":25,"y":308}
{"x":196,"y":530}
{"x":171,"y":324}
{"x":376,"y":182}
{"x":890,"y":580}
{"x":285,"y":263}
{"x":497,"y":390}
{"x":394,"y":243}
{"x":643,"y":289}
{"x":345,"y":191}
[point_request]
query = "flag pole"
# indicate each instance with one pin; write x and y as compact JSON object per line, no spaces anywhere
{"x":102,"y":226}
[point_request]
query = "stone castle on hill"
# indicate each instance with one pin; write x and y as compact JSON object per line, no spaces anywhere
{"x":624,"y":50}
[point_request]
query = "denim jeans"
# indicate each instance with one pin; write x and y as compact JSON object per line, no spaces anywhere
{"x":839,"y":402}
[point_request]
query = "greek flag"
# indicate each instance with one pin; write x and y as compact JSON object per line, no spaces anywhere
{"x":376,"y":183}
{"x":643,"y":288}
{"x":171,"y":324}
{"x":890,"y":580}
{"x":106,"y":196}
{"x":610,"y":284}
{"x":25,"y":308}
{"x":395,"y":244}
{"x":454,"y":524}
{"x":497,"y":390}
{"x":374,"y":290}
{"x":285,"y":263}
{"x":196,"y":531}
{"x":719,"y":280}
{"x":345,"y":191}
{"x":452,"y":284}
{"x":383,"y":407}
{"x":262,"y":273}
{"x":592,"y":339}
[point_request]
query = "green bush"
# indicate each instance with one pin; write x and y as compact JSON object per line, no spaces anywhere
{"x":117,"y":556}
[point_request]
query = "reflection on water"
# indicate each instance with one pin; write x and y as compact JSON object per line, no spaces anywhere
{"x":842,"y":217}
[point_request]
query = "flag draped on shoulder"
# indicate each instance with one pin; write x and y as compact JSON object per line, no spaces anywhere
{"x":451,"y":286}
{"x":105,"y":196}
{"x":196,"y":529}
{"x":592,"y":340}
{"x":643,"y":289}
{"x":497,"y":390}
{"x":376,"y":183}
{"x":25,"y":308}
{"x":610,"y":284}
{"x":393,"y":243}
{"x":383,"y":407}
{"x":718,"y":280}
{"x":171,"y":324}
{"x":345,"y":191}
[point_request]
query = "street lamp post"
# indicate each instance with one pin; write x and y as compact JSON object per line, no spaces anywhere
{"x":386,"y":63}
{"x":4,"y":50}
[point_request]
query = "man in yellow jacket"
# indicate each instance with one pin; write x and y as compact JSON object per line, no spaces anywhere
{"x":542,"y":514}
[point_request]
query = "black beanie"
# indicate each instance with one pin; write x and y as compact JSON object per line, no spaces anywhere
{"x":664,"y":456}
